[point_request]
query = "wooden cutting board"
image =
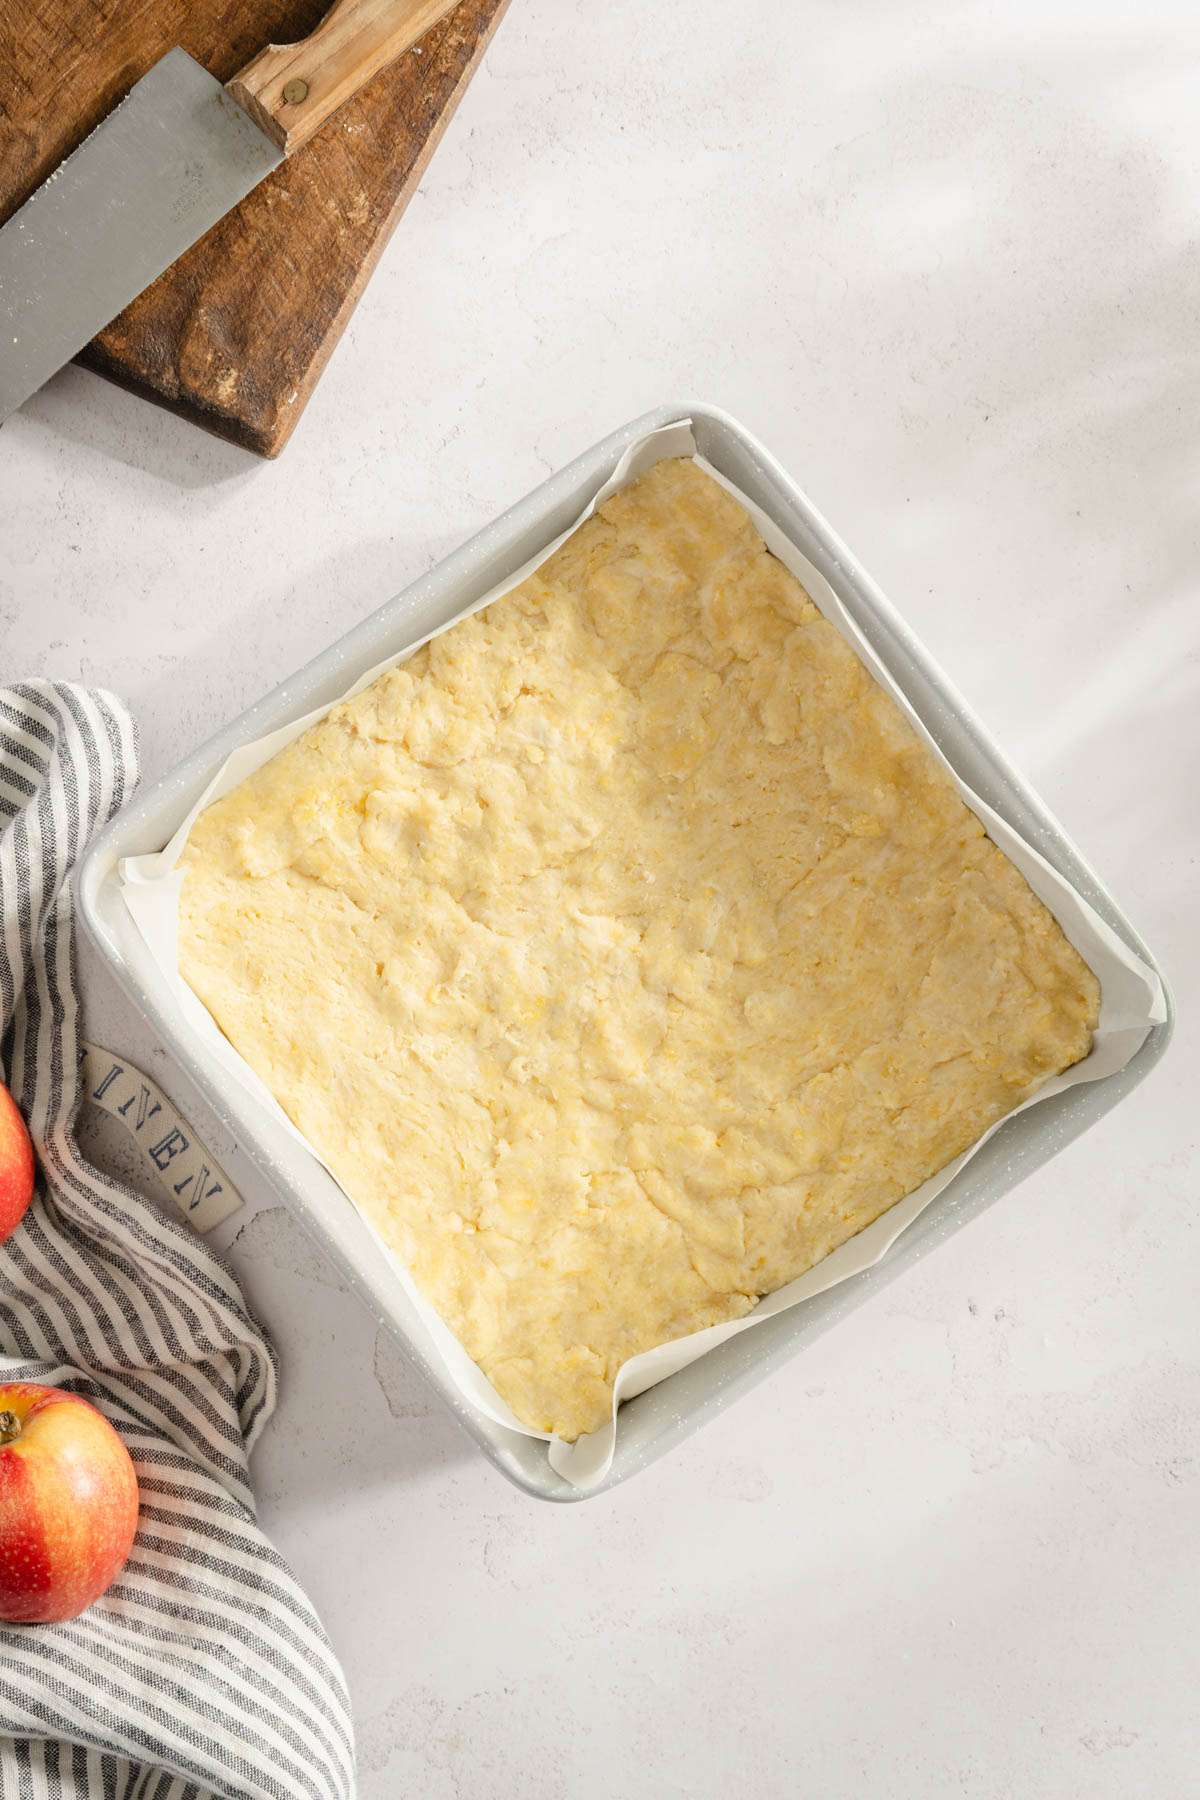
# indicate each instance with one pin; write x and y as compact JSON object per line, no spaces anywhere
{"x":235,"y":334}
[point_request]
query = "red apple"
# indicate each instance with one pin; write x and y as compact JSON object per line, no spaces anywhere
{"x":68,"y":1504}
{"x":16,"y":1165}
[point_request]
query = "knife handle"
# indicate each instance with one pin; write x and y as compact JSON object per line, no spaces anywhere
{"x":289,"y":90}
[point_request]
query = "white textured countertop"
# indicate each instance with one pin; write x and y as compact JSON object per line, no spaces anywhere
{"x":943,"y":260}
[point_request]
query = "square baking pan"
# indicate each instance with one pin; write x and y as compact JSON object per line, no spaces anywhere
{"x":660,"y":1417}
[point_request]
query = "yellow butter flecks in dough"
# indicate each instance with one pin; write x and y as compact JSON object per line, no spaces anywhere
{"x":624,"y":951}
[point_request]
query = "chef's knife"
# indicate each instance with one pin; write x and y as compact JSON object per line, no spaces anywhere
{"x":175,"y":156}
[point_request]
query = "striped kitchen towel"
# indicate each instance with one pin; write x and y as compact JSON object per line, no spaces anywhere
{"x":204,"y":1671}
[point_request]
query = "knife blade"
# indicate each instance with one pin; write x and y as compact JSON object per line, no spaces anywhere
{"x":173,"y":158}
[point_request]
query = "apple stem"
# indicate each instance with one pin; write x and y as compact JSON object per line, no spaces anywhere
{"x":10,"y":1427}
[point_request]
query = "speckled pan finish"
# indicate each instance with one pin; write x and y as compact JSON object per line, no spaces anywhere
{"x":656,"y":1420}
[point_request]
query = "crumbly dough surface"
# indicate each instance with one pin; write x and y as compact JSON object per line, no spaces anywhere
{"x":624,"y":952}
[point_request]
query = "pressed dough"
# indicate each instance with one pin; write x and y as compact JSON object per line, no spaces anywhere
{"x":624,"y":951}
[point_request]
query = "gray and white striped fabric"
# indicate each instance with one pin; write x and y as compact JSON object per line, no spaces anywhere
{"x":204,"y":1671}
